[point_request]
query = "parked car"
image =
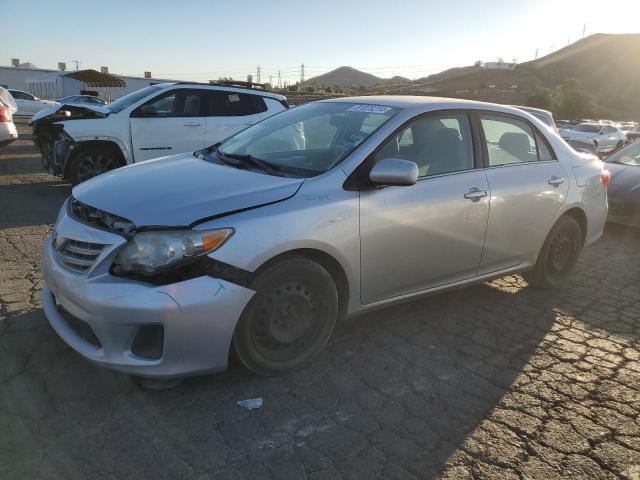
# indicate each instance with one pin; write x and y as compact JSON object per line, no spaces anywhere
{"x":584,"y":145}
{"x":261,"y":243}
{"x":606,"y":137}
{"x":634,"y":134}
{"x":29,"y":104}
{"x":8,"y":131}
{"x":545,"y":115}
{"x":82,"y":99}
{"x":79,"y":142}
{"x":624,"y":190}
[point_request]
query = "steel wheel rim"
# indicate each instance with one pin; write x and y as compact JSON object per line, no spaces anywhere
{"x":287,"y":320}
{"x":90,"y":166}
{"x":561,"y":254}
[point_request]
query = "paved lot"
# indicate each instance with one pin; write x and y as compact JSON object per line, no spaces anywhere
{"x":494,"y":381}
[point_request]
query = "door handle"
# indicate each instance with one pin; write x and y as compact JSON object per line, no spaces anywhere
{"x":192,"y":124}
{"x":475,"y":194}
{"x":555,"y":181}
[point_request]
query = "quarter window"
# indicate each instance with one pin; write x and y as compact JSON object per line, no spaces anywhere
{"x":234,"y":104}
{"x":437,"y":144}
{"x":509,"y":140}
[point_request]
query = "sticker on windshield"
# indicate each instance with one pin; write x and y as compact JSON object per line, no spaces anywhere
{"x":234,"y":97}
{"x":369,"y":109}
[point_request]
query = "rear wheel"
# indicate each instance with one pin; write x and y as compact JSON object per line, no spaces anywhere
{"x":558,"y":256}
{"x":289,"y":319}
{"x":90,"y":162}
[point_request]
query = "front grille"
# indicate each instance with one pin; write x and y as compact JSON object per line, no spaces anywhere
{"x":99,"y":218}
{"x":78,"y":256}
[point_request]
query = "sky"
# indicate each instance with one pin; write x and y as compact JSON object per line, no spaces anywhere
{"x":202,"y":40}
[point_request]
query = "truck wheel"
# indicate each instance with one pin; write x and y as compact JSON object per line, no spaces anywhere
{"x":558,"y":255}
{"x":90,"y":162}
{"x":289,"y":319}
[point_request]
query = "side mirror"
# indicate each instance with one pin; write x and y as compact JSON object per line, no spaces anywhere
{"x":147,"y":111}
{"x":394,"y":171}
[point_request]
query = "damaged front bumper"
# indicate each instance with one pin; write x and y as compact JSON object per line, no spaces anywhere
{"x":49,"y":137}
{"x":159,"y":331}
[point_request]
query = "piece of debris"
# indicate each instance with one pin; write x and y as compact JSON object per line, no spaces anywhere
{"x":250,"y":403}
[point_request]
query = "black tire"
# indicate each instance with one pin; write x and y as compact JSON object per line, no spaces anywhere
{"x":91,"y":161}
{"x":289,"y":319}
{"x":558,"y":255}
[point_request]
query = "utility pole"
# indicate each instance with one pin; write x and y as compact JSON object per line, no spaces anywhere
{"x":279,"y":79}
{"x":271,"y":80}
{"x":536,"y":54}
{"x":584,"y":30}
{"x":258,"y":75}
{"x":302,"y":73}
{"x":77,"y":62}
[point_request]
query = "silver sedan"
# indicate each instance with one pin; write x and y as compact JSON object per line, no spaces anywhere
{"x":261,"y":243}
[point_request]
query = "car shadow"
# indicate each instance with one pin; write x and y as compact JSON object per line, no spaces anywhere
{"x":394,"y":393}
{"x":30,"y":204}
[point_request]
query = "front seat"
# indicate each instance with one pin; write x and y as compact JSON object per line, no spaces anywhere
{"x":192,"y":106}
{"x":516,"y":145}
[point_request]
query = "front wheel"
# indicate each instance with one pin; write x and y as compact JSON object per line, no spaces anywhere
{"x":558,"y":255}
{"x":289,"y":319}
{"x":90,"y":162}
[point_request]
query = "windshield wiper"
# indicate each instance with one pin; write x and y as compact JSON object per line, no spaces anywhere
{"x":248,"y":159}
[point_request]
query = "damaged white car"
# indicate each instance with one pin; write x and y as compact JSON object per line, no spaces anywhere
{"x":79,"y":142}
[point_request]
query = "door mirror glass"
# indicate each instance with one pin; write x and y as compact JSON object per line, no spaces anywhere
{"x":394,"y":171}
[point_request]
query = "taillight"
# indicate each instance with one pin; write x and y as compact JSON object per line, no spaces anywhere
{"x":605,"y":175}
{"x":4,"y":114}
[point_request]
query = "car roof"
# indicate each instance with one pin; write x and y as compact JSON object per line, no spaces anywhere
{"x":226,"y":88}
{"x":425,"y":104}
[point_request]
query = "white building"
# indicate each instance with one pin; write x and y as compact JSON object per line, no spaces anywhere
{"x":54,"y":84}
{"x":499,"y":65}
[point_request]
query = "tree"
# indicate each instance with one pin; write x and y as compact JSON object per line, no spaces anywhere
{"x":570,"y":100}
{"x":328,"y":89}
{"x":293,"y":87}
{"x":539,"y":97}
{"x":478,"y":63}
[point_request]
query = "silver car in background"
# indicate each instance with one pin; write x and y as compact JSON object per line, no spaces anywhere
{"x":259,"y":244}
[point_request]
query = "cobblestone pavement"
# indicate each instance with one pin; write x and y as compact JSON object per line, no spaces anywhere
{"x":494,"y":381}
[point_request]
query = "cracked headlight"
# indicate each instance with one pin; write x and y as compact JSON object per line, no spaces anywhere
{"x":149,"y":253}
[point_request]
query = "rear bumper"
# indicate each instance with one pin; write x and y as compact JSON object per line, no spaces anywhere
{"x":198,"y":317}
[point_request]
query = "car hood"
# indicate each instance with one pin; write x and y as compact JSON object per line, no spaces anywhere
{"x":181,"y":190}
{"x":68,"y":111}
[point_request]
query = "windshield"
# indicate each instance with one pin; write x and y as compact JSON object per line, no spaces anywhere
{"x":587,"y":128}
{"x":310,"y":139}
{"x":132,"y":98}
{"x":630,"y":155}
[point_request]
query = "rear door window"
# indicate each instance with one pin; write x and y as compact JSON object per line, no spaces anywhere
{"x":234,"y":104}
{"x":508,"y":140}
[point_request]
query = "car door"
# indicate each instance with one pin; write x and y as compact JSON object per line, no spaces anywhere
{"x":230,"y":112}
{"x":528,"y":187}
{"x":431,"y":233}
{"x":172,"y":122}
{"x":609,"y":137}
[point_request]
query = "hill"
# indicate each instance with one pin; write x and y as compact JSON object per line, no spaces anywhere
{"x":606,"y":66}
{"x":345,"y":77}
